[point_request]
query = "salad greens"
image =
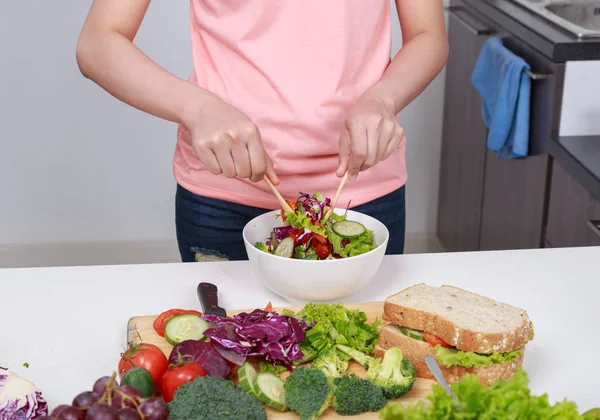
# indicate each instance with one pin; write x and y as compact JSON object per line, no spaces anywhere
{"x":505,"y":399}
{"x":454,"y":357}
{"x":307,"y":235}
{"x":336,"y":324}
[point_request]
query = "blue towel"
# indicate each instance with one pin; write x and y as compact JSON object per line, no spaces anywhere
{"x":505,"y":89}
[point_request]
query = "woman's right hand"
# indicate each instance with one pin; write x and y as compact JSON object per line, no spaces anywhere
{"x":227,"y":142}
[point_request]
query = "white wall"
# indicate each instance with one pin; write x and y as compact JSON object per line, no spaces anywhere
{"x":580,"y":113}
{"x":85,"y":179}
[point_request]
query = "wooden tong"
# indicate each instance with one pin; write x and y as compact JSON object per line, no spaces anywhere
{"x":337,"y":196}
{"x":284,"y":205}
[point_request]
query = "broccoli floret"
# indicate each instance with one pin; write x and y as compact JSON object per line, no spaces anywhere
{"x":353,"y":395}
{"x":331,"y":364}
{"x":395,"y":374}
{"x":213,"y":397}
{"x":307,"y":392}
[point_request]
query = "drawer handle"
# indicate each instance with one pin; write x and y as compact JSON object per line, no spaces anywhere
{"x":594,"y":226}
{"x":537,"y":76}
{"x":453,"y":11}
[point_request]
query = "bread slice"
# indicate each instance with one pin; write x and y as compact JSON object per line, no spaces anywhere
{"x":415,"y":351}
{"x":465,"y":320}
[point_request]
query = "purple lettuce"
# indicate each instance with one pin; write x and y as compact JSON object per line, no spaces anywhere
{"x":30,"y":405}
{"x":318,"y":207}
{"x":202,"y":353}
{"x":282,"y":232}
{"x":268,"y":335}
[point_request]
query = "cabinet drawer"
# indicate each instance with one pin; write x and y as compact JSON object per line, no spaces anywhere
{"x":571,"y":212}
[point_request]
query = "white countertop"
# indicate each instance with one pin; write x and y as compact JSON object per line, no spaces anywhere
{"x":69,"y":323}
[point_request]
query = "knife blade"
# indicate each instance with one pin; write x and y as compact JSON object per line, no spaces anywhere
{"x":433,"y":366}
{"x":209,"y":300}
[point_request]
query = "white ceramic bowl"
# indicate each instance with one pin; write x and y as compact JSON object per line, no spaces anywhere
{"x":303,"y":281}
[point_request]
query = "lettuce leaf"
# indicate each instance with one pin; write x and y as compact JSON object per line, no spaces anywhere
{"x":454,"y":357}
{"x":300,"y":220}
{"x":506,"y":399}
{"x":356,"y":246}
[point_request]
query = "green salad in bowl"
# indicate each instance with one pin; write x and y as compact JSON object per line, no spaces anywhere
{"x":308,"y":235}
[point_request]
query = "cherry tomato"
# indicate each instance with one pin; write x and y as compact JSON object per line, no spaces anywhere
{"x":292,"y":204}
{"x":435,"y":340}
{"x":161,"y":320}
{"x":147,"y":356}
{"x":323,"y":250}
{"x":319,"y":238}
{"x":178,"y":376}
{"x":295,"y":235}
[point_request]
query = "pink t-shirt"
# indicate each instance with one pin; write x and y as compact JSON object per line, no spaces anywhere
{"x":295,"y":67}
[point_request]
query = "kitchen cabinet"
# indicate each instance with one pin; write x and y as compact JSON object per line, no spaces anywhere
{"x":487,"y":203}
{"x":571,"y":208}
{"x":463,"y":140}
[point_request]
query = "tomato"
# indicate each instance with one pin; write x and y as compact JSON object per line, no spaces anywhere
{"x":290,"y":203}
{"x":269,"y":307}
{"x":323,"y":250}
{"x":319,"y":238}
{"x":179,"y":375}
{"x":161,"y":320}
{"x":147,"y":356}
{"x":295,"y":235}
{"x":435,"y":340}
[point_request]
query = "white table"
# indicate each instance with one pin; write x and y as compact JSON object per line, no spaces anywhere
{"x":69,"y":323}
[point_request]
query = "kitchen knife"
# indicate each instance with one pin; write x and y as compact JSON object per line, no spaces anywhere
{"x":208,"y":295}
{"x":433,"y":366}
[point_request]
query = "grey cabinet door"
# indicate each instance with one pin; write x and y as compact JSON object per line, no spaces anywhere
{"x":463,"y":140}
{"x":515,"y":193}
{"x":570,"y":209}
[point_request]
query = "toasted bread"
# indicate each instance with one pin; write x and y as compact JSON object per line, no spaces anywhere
{"x":465,"y":320}
{"x":415,"y":351}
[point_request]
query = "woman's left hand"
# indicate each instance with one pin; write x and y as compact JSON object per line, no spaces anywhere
{"x":371,"y":134}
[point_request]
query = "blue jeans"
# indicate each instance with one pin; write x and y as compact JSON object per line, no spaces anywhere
{"x":209,"y":229}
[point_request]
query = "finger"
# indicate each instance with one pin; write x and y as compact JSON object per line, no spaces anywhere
{"x":258,"y":164}
{"x":222,"y":152}
{"x":392,"y":146}
{"x":241,"y":159}
{"x":271,"y":170}
{"x":359,"y":148}
{"x":345,"y":152}
{"x":208,"y":159}
{"x":373,"y":137}
{"x":386,"y":136}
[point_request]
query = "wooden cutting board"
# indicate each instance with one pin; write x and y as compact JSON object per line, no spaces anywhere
{"x":140,"y":328}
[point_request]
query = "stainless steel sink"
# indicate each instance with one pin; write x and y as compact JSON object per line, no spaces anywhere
{"x":579,"y":17}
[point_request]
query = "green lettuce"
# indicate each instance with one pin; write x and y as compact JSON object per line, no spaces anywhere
{"x":262,"y":246}
{"x":357,"y":246}
{"x":504,"y":400}
{"x":454,"y":357}
{"x":299,"y":220}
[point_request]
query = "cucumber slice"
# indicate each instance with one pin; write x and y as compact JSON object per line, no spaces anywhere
{"x":269,"y":390}
{"x":247,"y":376}
{"x":285,"y":248}
{"x":348,"y":229}
{"x":417,"y":335}
{"x":185,"y":327}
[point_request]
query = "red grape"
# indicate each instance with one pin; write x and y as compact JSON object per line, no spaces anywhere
{"x":102,"y":412}
{"x":100,"y":385}
{"x":85,"y":400}
{"x":119,"y":402}
{"x":69,"y":413}
{"x":128,"y":414}
{"x":155,"y":408}
{"x":59,"y":409}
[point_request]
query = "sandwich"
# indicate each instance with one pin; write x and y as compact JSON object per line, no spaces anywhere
{"x":466,"y":333}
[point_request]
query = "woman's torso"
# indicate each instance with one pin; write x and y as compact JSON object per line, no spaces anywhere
{"x":295,"y":68}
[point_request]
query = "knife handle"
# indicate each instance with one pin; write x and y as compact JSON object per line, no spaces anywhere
{"x":208,"y":295}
